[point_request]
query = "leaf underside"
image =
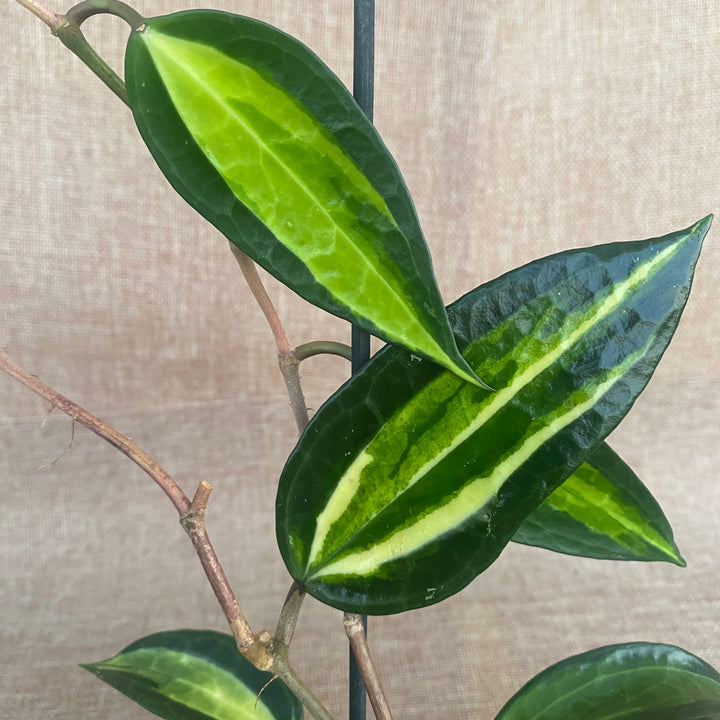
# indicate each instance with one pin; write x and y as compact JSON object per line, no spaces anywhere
{"x":408,"y":482}
{"x":196,"y":675}
{"x":263,"y":140}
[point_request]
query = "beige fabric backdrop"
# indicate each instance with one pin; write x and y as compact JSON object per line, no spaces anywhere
{"x":522,"y":128}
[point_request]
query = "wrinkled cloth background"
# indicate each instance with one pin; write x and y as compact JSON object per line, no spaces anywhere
{"x":522,"y":129}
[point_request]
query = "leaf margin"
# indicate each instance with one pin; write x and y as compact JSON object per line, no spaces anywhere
{"x":207,"y":646}
{"x":553,"y":528}
{"x":409,"y":378}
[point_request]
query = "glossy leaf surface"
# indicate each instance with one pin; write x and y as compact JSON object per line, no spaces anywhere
{"x":408,"y":482}
{"x":602,"y":511}
{"x":262,"y":139}
{"x":633,"y":681}
{"x":196,"y":675}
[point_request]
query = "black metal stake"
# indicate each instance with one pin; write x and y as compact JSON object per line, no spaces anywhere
{"x":363,"y":91}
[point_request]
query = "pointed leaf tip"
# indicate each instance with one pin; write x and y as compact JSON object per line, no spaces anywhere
{"x":602,"y":511}
{"x":704,"y":225}
{"x":258,"y":135}
{"x":408,"y":483}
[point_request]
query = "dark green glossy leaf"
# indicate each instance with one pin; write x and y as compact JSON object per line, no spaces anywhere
{"x":262,"y":139}
{"x":602,"y":511}
{"x":196,"y":675}
{"x":408,"y":482}
{"x":633,"y":681}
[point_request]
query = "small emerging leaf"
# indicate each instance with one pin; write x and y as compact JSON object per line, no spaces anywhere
{"x":196,"y":675}
{"x":408,"y":482}
{"x":265,"y":142}
{"x":633,"y":681}
{"x":602,"y":511}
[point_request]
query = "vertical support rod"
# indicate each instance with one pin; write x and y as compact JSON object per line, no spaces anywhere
{"x":363,"y":91}
{"x":364,"y":55}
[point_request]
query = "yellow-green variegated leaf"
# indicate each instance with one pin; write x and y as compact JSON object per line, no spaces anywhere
{"x":602,"y":511}
{"x":409,"y":482}
{"x":196,"y":675}
{"x":262,"y":139}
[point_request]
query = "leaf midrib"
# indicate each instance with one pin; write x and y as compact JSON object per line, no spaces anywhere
{"x":361,"y":249}
{"x":501,"y":398}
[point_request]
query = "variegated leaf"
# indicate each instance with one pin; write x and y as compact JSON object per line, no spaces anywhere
{"x":602,"y":511}
{"x":632,"y":681}
{"x":408,"y":482}
{"x":196,"y":675}
{"x":262,"y":139}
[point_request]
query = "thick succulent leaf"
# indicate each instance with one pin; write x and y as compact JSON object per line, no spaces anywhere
{"x":196,"y":675}
{"x":602,"y":511}
{"x":633,"y":681}
{"x":408,"y":482}
{"x":260,"y":137}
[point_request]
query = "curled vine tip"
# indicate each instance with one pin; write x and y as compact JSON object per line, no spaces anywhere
{"x":86,"y":9}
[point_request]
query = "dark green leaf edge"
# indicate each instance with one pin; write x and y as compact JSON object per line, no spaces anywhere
{"x":290,"y":64}
{"x":217,"y":648}
{"x":350,"y":408}
{"x":553,"y":528}
{"x":627,"y":681}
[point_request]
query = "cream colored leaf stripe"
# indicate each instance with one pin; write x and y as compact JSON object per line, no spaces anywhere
{"x":285,"y":213}
{"x":617,"y":521}
{"x":192,"y":682}
{"x":403,"y":542}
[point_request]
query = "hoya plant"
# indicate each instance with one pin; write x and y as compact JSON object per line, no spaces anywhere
{"x":482,"y":422}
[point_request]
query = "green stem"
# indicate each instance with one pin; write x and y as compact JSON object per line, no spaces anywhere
{"x":281,"y":668}
{"x":67,"y":29}
{"x":280,"y":647}
{"x":86,"y":9}
{"x":288,"y":616}
{"x":73,"y":39}
{"x":322,"y":347}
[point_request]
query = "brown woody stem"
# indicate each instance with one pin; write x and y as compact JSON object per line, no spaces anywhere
{"x":288,"y":363}
{"x":51,"y":19}
{"x":193,"y":522}
{"x":250,"y":273}
{"x":358,"y":642}
{"x":258,"y":649}
{"x":192,"y":514}
{"x":118,"y":440}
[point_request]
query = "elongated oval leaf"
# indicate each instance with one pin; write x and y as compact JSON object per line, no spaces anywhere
{"x":602,"y":511}
{"x":632,"y":681}
{"x":196,"y":675}
{"x":408,"y":482}
{"x":260,"y":137}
